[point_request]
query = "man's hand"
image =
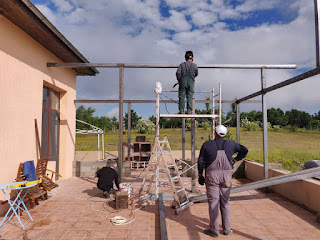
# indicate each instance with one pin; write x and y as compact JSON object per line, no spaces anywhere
{"x":201,"y":179}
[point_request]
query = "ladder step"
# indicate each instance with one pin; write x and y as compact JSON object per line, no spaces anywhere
{"x":171,"y":165}
{"x":184,"y":203}
{"x":182,"y":189}
{"x":176,"y":177}
{"x":163,"y":141}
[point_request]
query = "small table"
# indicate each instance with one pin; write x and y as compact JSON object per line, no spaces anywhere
{"x":17,"y":204}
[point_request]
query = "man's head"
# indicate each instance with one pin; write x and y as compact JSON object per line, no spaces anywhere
{"x":112,"y":164}
{"x":188,"y":55}
{"x":220,"y":131}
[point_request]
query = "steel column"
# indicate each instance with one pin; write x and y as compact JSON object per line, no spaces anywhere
{"x":213,"y":122}
{"x":238,"y":122}
{"x":129,"y":131}
{"x":316,"y":15}
{"x":183,"y":139}
{"x":220,"y":107}
{"x":265,"y":123}
{"x":120,"y":148}
{"x":157,"y":114}
{"x":193,"y":146}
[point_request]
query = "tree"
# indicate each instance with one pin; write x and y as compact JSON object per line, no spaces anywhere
{"x":134,"y":119}
{"x":85,"y":115}
{"x":114,"y":122}
{"x":277,"y":117}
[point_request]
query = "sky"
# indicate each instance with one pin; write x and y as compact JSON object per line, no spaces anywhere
{"x":217,"y":31}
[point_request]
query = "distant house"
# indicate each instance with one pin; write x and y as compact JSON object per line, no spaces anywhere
{"x":30,"y":90}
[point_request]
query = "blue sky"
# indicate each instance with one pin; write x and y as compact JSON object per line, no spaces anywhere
{"x":218,"y":32}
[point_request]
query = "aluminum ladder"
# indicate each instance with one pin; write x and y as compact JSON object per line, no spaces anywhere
{"x":162,"y":158}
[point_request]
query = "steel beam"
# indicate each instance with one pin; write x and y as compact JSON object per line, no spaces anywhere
{"x":162,"y":214}
{"x":161,"y":101}
{"x":295,"y":79}
{"x":309,"y":173}
{"x":133,"y":65}
{"x":188,"y":116}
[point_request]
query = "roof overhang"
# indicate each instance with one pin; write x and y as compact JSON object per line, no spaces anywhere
{"x":27,"y":17}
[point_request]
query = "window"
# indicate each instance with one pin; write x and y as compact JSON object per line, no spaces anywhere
{"x":50,"y":125}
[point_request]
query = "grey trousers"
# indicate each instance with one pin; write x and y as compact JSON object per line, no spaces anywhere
{"x":219,"y":195}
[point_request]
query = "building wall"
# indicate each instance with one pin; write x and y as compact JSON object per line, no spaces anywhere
{"x":23,"y":73}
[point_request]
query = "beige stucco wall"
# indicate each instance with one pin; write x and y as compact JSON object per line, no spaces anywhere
{"x":305,"y":192}
{"x":23,"y":73}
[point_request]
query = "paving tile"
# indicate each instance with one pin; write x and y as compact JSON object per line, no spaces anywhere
{"x":119,"y":233}
{"x":94,"y":234}
{"x":74,"y":234}
{"x":34,"y":234}
{"x":54,"y":234}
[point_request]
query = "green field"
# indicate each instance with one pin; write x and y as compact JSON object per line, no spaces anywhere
{"x":289,"y":148}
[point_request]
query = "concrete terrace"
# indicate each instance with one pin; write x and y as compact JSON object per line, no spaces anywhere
{"x":85,"y":214}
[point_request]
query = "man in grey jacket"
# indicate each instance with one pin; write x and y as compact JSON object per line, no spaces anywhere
{"x":216,"y":157}
{"x":186,"y":74}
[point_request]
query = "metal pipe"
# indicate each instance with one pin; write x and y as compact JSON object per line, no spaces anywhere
{"x":161,"y":101}
{"x":103,"y":153}
{"x":238,"y":122}
{"x":194,"y":91}
{"x":212,"y":126}
{"x":220,"y":107}
{"x":295,"y":79}
{"x":129,"y":131}
{"x":183,"y":138}
{"x":193,"y":146}
{"x":265,"y":124}
{"x":99,"y":146}
{"x":120,"y":148}
{"x":316,"y":16}
{"x":134,"y":65}
{"x":157,"y":114}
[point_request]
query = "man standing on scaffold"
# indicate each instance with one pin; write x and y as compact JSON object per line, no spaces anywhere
{"x":216,"y":157}
{"x":186,"y":75}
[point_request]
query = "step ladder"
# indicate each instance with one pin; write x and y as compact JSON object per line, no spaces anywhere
{"x":162,"y":158}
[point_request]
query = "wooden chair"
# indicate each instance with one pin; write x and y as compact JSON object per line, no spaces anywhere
{"x":35,"y":192}
{"x":47,"y":183}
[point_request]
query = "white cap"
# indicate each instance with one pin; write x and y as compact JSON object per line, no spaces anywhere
{"x":221,"y":130}
{"x":158,"y":87}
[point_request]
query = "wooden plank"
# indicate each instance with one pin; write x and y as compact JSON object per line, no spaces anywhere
{"x":163,"y":225}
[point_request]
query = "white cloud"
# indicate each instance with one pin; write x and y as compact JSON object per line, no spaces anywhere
{"x":204,"y":18}
{"x":133,"y":31}
{"x":63,"y":5}
{"x":113,"y":113}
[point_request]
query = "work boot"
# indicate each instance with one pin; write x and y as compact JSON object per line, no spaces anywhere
{"x":210,"y":233}
{"x":227,"y":232}
{"x":106,"y":194}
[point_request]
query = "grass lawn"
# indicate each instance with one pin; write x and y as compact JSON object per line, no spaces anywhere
{"x":289,"y":148}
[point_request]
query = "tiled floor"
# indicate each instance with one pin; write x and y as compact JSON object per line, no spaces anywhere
{"x":76,"y":210}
